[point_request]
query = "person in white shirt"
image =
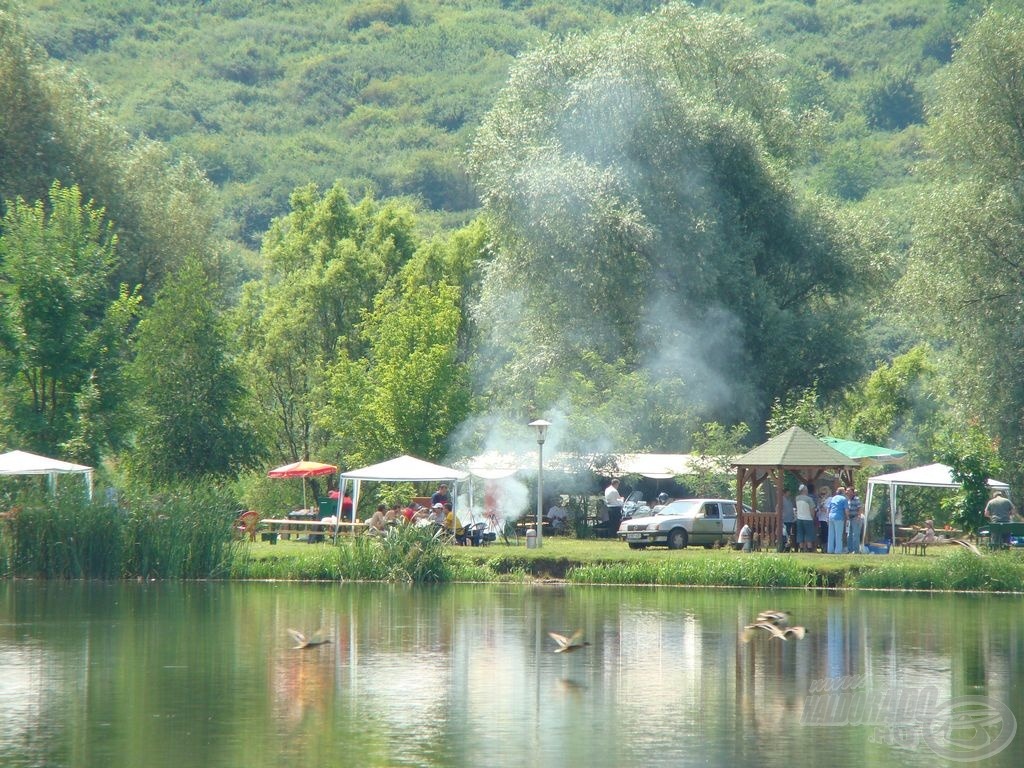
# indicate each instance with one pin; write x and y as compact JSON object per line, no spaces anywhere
{"x":805,"y":528}
{"x":558,"y":516}
{"x":613,"y":502}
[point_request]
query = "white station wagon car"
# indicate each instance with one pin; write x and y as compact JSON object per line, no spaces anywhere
{"x":683,"y":522}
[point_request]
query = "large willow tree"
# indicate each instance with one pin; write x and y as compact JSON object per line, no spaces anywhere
{"x":652,"y":257}
{"x":967,"y":261}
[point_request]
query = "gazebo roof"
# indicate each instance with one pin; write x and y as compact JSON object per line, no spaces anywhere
{"x":865,"y":453}
{"x":794,"y":448}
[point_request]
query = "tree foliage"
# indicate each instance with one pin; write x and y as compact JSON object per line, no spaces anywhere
{"x":325,"y":262}
{"x":637,"y":185}
{"x":189,"y":395}
{"x":965,"y":270}
{"x":62,"y":327}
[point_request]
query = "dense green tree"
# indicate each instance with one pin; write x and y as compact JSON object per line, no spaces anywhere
{"x":637,"y":185}
{"x":62,"y":327}
{"x":410,"y":392}
{"x":53,"y":127}
{"x":974,"y":457}
{"x":964,"y":277}
{"x":899,"y":404}
{"x":325,"y":262}
{"x":189,"y":395}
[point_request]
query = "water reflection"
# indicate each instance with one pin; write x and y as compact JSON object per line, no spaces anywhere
{"x":205,"y":675}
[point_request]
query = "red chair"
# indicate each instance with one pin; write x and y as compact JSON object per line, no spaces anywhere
{"x":247,"y":523}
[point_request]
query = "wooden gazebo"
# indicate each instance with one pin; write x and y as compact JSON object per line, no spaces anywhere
{"x":796,"y":451}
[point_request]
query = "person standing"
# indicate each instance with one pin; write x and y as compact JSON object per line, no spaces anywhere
{"x":998,"y":510}
{"x":821,"y":516}
{"x":613,"y":502}
{"x":805,"y":508}
{"x":440,"y":496}
{"x":788,"y":539}
{"x":838,"y":508}
{"x":856,"y":517}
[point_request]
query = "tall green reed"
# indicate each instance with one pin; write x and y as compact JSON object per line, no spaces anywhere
{"x":406,"y":553}
{"x":62,"y":535}
{"x":182,"y":532}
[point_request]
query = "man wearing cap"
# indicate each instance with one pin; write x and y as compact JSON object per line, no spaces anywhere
{"x":998,"y":510}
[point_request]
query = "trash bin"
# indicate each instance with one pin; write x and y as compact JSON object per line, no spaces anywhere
{"x":531,"y":539}
{"x":327,"y":507}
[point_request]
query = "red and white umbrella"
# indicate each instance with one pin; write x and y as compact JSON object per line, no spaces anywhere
{"x":303,"y":469}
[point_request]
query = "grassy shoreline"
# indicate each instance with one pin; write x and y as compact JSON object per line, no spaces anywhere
{"x":610,"y":562}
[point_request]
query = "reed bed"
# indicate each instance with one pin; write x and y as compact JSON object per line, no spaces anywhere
{"x":961,"y":570}
{"x":180,"y":533}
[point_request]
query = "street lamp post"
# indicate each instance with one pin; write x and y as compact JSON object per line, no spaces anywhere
{"x":542,"y":429}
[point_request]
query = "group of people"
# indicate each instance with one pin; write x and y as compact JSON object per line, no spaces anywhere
{"x":833,"y":522}
{"x":438,"y":513}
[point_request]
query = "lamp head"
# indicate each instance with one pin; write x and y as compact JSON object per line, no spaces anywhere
{"x":542,"y":428}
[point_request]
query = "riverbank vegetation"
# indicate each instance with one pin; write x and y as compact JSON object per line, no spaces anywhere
{"x":188,"y":533}
{"x":349,"y":231}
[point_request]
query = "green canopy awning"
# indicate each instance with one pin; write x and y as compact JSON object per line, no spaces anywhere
{"x":865,"y":453}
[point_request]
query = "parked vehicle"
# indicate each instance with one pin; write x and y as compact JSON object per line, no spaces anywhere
{"x":683,"y":522}
{"x":635,"y":506}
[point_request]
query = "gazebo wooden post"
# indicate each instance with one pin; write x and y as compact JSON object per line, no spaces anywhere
{"x":780,"y":474}
{"x":740,"y":477}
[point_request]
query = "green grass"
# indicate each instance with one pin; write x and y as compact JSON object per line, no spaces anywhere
{"x":611,"y":562}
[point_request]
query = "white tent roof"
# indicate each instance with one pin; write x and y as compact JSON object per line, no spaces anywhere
{"x":930,"y":475}
{"x":405,"y":469}
{"x":657,"y":466}
{"x":24,"y":463}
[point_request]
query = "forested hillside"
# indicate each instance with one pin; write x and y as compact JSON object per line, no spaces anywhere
{"x":386,"y":95}
{"x":236,"y":233}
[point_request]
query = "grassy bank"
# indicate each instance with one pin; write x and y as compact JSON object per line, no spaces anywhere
{"x":187,"y":534}
{"x":608,"y":562}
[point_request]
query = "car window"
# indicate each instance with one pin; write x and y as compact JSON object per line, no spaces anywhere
{"x":679,"y":508}
{"x":711,"y":509}
{"x":728,"y":510}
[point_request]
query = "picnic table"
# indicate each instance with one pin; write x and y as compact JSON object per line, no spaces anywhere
{"x":998,"y":533}
{"x":316,"y":530}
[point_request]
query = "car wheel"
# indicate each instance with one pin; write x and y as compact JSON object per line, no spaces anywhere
{"x":638,"y":546}
{"x":677,"y":538}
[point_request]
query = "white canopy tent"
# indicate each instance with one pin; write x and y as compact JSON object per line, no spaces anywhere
{"x":24,"y":463}
{"x":404,"y":469}
{"x":928,"y":476}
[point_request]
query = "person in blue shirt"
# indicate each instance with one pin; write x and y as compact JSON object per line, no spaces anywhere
{"x":838,"y":509}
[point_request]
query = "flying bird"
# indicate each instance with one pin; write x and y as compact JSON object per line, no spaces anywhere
{"x":775,"y":624}
{"x":778,"y":618}
{"x":569,"y":644}
{"x":301,"y":641}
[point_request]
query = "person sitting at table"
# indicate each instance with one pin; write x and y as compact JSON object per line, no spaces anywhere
{"x":436,"y":513}
{"x":392,"y":515}
{"x":558,"y":516}
{"x":376,"y":525}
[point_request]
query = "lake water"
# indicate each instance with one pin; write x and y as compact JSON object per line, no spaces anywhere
{"x":181,"y":675}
